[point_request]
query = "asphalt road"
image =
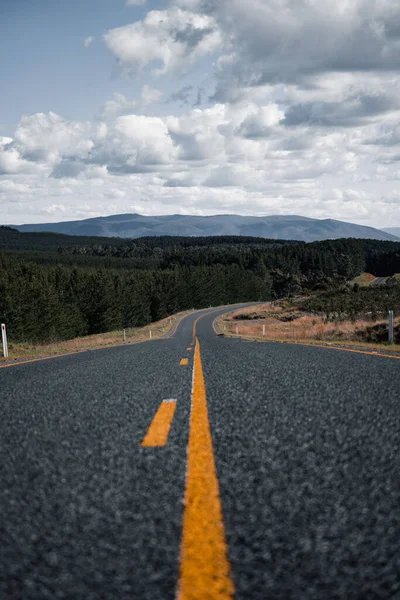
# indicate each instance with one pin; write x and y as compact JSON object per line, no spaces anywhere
{"x":379,"y":281}
{"x":288,"y":489}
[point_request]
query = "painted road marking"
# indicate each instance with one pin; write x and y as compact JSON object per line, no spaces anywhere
{"x":169,"y":335}
{"x":366,"y":352}
{"x":157,"y":434}
{"x":210,"y":312}
{"x":34,"y":360}
{"x":188,"y":348}
{"x":184,"y":362}
{"x":205,"y":570}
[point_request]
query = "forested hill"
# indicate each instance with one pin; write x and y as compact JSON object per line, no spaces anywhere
{"x":12,"y":239}
{"x":60,"y":287}
{"x":288,"y":227}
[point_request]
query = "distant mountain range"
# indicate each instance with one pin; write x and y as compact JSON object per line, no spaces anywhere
{"x":392,"y":230}
{"x":291,"y":227}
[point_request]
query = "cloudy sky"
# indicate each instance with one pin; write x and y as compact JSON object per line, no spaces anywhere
{"x":200,"y":107}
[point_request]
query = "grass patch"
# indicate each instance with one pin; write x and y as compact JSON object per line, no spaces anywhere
{"x":363,"y":280}
{"x":284,"y":321}
{"x":134,"y":335}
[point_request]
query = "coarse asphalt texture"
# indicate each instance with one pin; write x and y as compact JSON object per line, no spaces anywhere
{"x":307,"y":452}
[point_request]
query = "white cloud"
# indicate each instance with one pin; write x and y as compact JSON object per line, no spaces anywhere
{"x":88,"y":41}
{"x":10,"y":159}
{"x":197,"y":134}
{"x":299,"y":112}
{"x":46,"y":137}
{"x":284,"y":41}
{"x":8,"y":186}
{"x":173,"y":39}
{"x":135,"y":2}
{"x":150,"y":95}
{"x":261,"y":121}
{"x":134,"y":144}
{"x":120,"y":105}
{"x":240,"y":158}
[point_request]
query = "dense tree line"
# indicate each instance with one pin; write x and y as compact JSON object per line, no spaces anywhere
{"x":51,"y":303}
{"x":355,"y":302}
{"x":50,"y":292}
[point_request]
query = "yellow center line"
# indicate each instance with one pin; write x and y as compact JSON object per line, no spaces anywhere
{"x":204,"y":568}
{"x":184,"y":362}
{"x":157,"y":434}
{"x":194,"y":332}
{"x":194,"y":328}
{"x":188,"y":348}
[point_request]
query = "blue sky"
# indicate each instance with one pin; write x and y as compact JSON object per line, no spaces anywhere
{"x":47,"y":66}
{"x":200,"y":107}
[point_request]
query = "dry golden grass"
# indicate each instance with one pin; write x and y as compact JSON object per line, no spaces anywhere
{"x":91,"y":342}
{"x":364,"y":279}
{"x":299,"y":326}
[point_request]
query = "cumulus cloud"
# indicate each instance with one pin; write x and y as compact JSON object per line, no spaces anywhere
{"x":10,"y":159}
{"x":351,"y":112}
{"x":134,"y":144}
{"x":173,"y":39}
{"x":45,"y":137}
{"x":272,"y":106}
{"x":197,"y":135}
{"x":260,"y":122}
{"x":284,"y":41}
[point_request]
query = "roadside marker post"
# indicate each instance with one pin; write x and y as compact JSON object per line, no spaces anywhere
{"x":150,"y":334}
{"x":124,"y":336}
{"x":390,"y":327}
{"x":237,"y":330}
{"x":263,"y":330}
{"x":4,"y":340}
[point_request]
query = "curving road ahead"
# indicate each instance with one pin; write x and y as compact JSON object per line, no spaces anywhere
{"x":209,"y":469}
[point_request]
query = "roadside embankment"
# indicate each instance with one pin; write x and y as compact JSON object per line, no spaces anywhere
{"x":283,"y":321}
{"x":133,"y":335}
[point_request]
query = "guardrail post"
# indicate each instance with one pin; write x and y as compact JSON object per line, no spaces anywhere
{"x":390,"y":327}
{"x":4,"y":340}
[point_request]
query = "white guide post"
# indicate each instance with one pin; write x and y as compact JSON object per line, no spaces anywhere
{"x":263,"y":329}
{"x":150,"y":334}
{"x":390,"y":327}
{"x":4,"y":340}
{"x":124,"y":336}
